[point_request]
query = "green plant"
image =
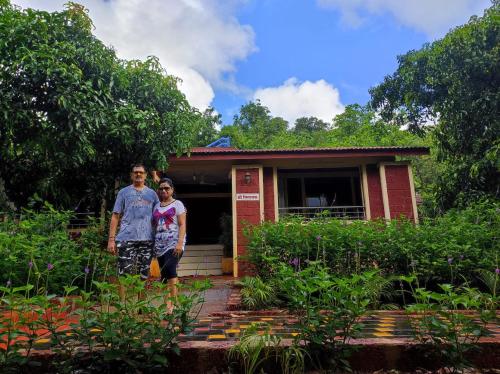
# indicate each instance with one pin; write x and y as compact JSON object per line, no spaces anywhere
{"x":252,"y":350}
{"x":451,"y":321}
{"x":134,"y":333}
{"x":436,"y":250}
{"x":37,"y":249}
{"x":257,"y":350}
{"x":256,"y":293}
{"x":19,"y":322}
{"x":328,"y":308}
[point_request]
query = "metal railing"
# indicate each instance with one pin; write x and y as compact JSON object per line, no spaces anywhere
{"x":77,"y":221}
{"x":81,"y":220}
{"x":347,"y":212}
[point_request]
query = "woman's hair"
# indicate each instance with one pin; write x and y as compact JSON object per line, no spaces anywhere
{"x":167,"y":180}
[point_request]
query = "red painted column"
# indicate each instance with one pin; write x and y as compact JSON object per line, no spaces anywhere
{"x":399,"y":191}
{"x":248,"y":210}
{"x":375,"y":192}
{"x":269,"y":208}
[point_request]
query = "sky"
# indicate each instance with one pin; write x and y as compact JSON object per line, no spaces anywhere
{"x":298,"y":57}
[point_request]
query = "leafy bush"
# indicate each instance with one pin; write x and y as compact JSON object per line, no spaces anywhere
{"x":459,"y":242}
{"x":118,"y":335}
{"x":260,"y":352}
{"x":328,"y":309}
{"x":438,"y":319}
{"x":256,"y":293}
{"x":37,"y":249}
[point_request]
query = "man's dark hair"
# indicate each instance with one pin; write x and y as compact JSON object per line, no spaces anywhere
{"x":138,"y":165}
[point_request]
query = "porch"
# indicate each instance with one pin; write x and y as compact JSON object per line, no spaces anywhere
{"x":323,"y":192}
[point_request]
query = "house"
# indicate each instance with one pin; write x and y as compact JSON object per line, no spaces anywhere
{"x":253,"y":185}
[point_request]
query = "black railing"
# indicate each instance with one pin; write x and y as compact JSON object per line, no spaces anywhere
{"x":77,"y":220}
{"x":348,"y":212}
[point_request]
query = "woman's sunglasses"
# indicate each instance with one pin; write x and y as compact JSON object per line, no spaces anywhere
{"x":164,"y":189}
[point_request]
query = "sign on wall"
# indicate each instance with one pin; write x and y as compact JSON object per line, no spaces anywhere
{"x":247,"y":197}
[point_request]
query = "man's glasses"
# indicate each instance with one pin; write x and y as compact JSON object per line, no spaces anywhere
{"x":164,"y":189}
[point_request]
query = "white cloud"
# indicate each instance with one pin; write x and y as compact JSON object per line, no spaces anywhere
{"x":433,"y":17}
{"x":197,"y":40}
{"x":294,"y":99}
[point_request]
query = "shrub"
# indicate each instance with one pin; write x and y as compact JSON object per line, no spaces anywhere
{"x":459,"y":242}
{"x":129,"y":335}
{"x":37,"y":249}
{"x":256,"y":293}
{"x":328,"y":309}
{"x":438,"y":319}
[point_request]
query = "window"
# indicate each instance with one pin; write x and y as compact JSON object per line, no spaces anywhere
{"x":313,"y":191}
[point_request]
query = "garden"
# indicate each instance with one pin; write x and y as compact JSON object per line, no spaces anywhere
{"x":61,"y":290}
{"x":442,"y":275}
{"x":74,"y":116}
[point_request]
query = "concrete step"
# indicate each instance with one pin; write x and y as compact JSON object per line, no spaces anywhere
{"x":203,"y":259}
{"x":201,"y":266}
{"x":186,"y":273}
{"x":204,"y":247}
{"x":201,"y":254}
{"x":199,"y":260}
{"x":203,"y":250}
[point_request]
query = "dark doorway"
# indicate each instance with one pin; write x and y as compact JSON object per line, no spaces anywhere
{"x":205,"y":205}
{"x":203,"y":218}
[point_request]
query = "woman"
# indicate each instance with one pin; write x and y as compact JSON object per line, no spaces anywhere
{"x":169,"y":219}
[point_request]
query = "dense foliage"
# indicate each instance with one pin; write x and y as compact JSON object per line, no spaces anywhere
{"x":437,"y":250}
{"x":38,"y":249}
{"x":113,"y":334}
{"x":255,"y":127}
{"x":456,"y":81}
{"x":74,"y":117}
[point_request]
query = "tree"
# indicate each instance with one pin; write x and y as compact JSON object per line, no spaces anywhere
{"x":310,"y":124}
{"x":254,"y":127}
{"x":73,"y":116}
{"x":359,"y":126}
{"x":207,"y":128}
{"x":455,"y":81}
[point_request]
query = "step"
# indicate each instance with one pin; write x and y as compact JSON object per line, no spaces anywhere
{"x":203,"y":250}
{"x":201,"y":266}
{"x":213,"y":252}
{"x":204,"y":247}
{"x":199,"y":260}
{"x":186,"y":273}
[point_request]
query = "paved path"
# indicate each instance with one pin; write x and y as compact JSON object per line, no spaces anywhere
{"x":229,"y":325}
{"x":217,"y":297}
{"x":217,"y":323}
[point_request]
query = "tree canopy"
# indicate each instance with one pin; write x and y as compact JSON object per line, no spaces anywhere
{"x":73,"y":116}
{"x":456,"y":82}
{"x":255,"y":127}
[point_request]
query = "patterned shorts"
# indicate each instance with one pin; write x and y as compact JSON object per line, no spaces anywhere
{"x":134,"y":257}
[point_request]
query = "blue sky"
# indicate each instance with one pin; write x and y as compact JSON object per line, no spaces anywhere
{"x":299,"y":57}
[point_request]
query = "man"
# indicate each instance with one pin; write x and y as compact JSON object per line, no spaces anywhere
{"x":133,"y":210}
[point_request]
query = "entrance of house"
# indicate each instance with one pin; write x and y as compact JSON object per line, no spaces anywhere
{"x":332,"y":192}
{"x":207,"y":198}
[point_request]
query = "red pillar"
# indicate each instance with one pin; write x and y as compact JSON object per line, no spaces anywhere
{"x":269,"y":195}
{"x":375,"y":192}
{"x":247,"y":209}
{"x":399,"y":191}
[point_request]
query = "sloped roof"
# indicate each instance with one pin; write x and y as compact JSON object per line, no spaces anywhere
{"x":407,"y":150}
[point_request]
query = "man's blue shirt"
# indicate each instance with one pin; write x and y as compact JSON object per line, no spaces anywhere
{"x":136,"y":208}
